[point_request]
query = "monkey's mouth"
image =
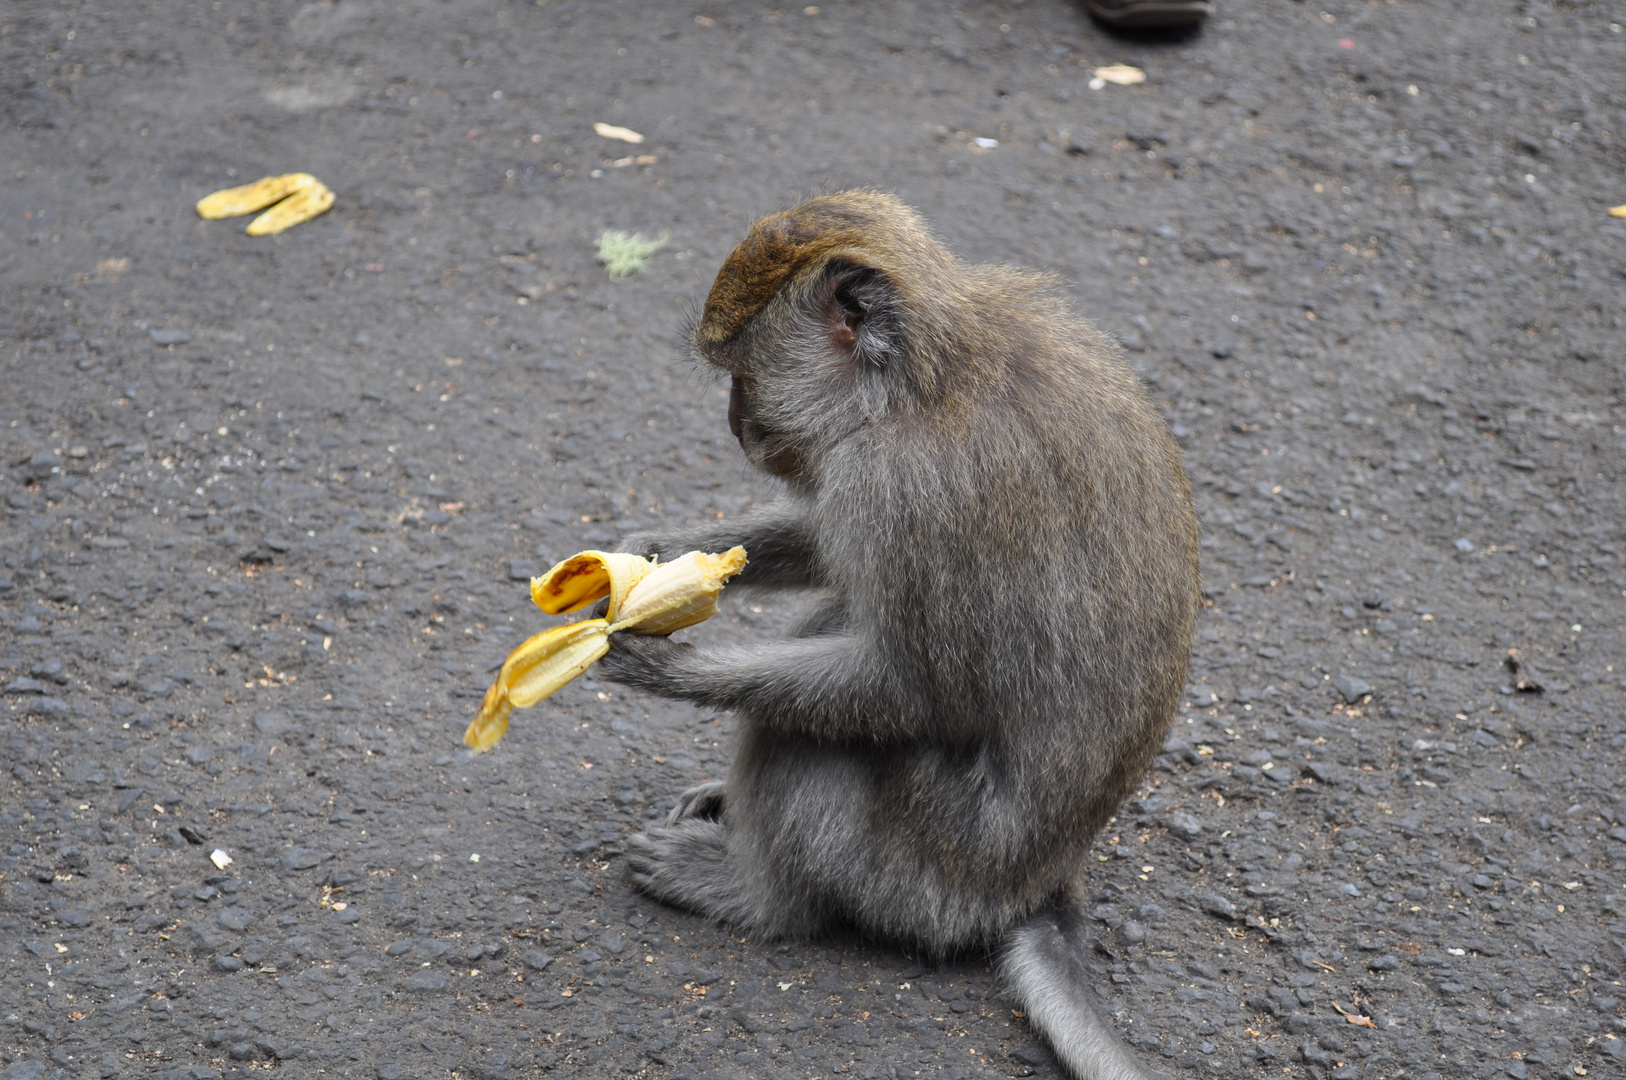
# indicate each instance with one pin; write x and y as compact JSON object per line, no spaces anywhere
{"x":767,"y":448}
{"x":771,"y":451}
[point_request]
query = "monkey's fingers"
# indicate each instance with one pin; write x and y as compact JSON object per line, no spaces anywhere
{"x":677,"y":594}
{"x":534,"y":671}
{"x":256,"y":196}
{"x":302,"y":205}
{"x":588,"y":576}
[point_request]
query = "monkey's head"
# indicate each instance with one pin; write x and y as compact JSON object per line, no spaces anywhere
{"x":813,"y":316}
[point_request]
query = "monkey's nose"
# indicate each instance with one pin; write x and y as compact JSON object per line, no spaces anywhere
{"x":736,"y":406}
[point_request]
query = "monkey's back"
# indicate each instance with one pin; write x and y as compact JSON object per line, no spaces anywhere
{"x":1046,"y":618}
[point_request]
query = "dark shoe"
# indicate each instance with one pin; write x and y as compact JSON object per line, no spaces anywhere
{"x":1149,"y":14}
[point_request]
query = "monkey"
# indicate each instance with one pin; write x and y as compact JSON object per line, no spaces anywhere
{"x":1000,"y":536}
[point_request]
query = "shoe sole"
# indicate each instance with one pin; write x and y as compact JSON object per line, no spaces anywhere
{"x":1151,"y":14}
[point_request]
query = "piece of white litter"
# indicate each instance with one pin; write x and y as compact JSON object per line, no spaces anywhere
{"x":610,"y":131}
{"x":474,"y":858}
{"x":1119,"y":75}
{"x":219,"y":857}
{"x":986,"y":144}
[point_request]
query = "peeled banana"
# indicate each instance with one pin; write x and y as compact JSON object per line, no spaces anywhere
{"x":298,"y":197}
{"x":645,"y":597}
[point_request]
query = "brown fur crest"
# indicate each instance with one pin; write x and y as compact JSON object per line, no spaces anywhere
{"x":855,"y":225}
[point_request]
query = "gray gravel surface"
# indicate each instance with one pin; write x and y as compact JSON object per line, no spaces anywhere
{"x":268,"y":505}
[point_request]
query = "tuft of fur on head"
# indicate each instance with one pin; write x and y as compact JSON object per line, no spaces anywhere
{"x":864,"y":227}
{"x":943,"y":327}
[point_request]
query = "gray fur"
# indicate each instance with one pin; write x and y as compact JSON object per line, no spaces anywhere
{"x":1003,"y":539}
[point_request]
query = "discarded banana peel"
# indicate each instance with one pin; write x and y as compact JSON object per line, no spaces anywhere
{"x":645,"y":597}
{"x":298,"y":197}
{"x":233,"y":202}
{"x":302,"y":205}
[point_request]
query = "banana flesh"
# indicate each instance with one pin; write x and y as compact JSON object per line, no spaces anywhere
{"x":679,"y":594}
{"x":296,"y":197}
{"x":645,"y":597}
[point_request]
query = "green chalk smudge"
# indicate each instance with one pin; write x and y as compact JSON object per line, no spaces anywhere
{"x":624,"y":254}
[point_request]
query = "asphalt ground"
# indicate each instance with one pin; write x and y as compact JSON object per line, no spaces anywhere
{"x":268,"y":504}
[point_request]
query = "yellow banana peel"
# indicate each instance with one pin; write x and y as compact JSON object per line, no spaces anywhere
{"x":645,"y":597}
{"x":297,"y":197}
{"x":302,"y":205}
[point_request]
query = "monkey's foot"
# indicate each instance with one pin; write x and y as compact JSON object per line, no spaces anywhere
{"x":704,"y":802}
{"x":688,"y":866}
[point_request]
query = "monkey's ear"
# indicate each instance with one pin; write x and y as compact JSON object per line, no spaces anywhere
{"x":863,"y":314}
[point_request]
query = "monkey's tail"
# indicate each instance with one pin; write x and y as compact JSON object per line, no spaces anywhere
{"x":1044,"y":965}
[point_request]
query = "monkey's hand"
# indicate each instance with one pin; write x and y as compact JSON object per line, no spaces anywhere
{"x":662,"y":546}
{"x":778,"y":536}
{"x":646,"y":661}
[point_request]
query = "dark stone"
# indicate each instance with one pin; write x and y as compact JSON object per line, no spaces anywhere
{"x":1034,"y":1055}
{"x":304,"y":859}
{"x":41,"y":466}
{"x":1185,"y":825}
{"x":1350,"y":688}
{"x":427,"y":982}
{"x":235,"y":918}
{"x":72,"y":916}
{"x":23,"y":1070}
{"x":493,"y":1067}
{"x":272,"y":723}
{"x":1319,"y":771}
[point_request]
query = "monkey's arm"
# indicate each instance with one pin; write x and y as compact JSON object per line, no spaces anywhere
{"x":834,"y":687}
{"x":778,"y":542}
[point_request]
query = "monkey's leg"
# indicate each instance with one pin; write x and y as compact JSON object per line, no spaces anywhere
{"x":689,"y":865}
{"x":703,"y":801}
{"x":778,"y":542}
{"x":829,"y":616}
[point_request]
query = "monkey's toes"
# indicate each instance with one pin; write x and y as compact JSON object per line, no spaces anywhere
{"x":704,"y":801}
{"x":650,"y":858}
{"x":642,"y":861}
